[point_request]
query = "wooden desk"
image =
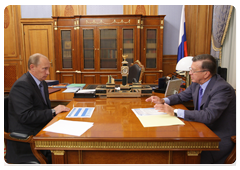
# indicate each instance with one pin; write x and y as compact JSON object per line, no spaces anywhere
{"x":118,"y":137}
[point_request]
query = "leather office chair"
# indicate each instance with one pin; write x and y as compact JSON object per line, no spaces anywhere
{"x":19,"y":137}
{"x":232,"y":156}
{"x":136,"y":70}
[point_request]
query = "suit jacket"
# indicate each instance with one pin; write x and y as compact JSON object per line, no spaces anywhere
{"x":218,"y":109}
{"x":28,"y":113}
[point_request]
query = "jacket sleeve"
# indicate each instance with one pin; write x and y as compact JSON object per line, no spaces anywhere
{"x":184,"y":96}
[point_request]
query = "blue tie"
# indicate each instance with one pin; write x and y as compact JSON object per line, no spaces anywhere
{"x":199,"y":97}
{"x":42,"y":92}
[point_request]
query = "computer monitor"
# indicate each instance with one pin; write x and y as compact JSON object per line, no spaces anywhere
{"x":173,"y":87}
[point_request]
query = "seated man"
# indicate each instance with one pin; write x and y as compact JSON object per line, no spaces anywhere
{"x":214,"y":105}
{"x":30,"y":108}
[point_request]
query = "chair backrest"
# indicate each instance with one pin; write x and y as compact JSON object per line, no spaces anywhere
{"x":6,"y":113}
{"x":135,"y":71}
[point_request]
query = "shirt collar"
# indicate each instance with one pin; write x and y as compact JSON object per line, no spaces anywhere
{"x":204,"y":85}
{"x":35,"y":79}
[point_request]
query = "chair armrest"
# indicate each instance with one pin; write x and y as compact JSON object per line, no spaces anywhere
{"x":20,"y":136}
{"x":233,"y":138}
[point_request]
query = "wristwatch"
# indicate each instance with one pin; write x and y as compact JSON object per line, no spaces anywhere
{"x":53,"y":112}
{"x":175,"y":112}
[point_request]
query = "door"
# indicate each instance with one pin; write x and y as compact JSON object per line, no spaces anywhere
{"x":39,"y":39}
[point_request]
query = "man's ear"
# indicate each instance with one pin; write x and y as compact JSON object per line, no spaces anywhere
{"x":207,"y":74}
{"x":32,"y":66}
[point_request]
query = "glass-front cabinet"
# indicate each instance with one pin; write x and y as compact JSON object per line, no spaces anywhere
{"x":66,"y":49}
{"x":128,"y":44}
{"x":108,"y":49}
{"x":89,"y":48}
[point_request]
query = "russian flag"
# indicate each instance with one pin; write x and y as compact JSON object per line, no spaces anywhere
{"x":182,"y":44}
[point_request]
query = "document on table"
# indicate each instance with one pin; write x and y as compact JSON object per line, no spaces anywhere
{"x":81,"y":112}
{"x":76,"y":128}
{"x":149,"y":117}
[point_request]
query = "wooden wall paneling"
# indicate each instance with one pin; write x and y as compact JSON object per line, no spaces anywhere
{"x":169,"y":64}
{"x":198,"y":28}
{"x":11,"y":38}
{"x":12,"y":71}
{"x":68,"y":10}
{"x":140,"y":9}
{"x":12,"y":47}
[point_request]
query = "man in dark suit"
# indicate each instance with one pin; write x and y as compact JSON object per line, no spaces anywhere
{"x":216,"y":108}
{"x":29,"y":107}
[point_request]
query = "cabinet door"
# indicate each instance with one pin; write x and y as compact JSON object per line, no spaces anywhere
{"x":108,"y":45}
{"x":152,"y":54}
{"x":88,"y":49}
{"x":151,"y":49}
{"x":66,"y":50}
{"x":66,"y":65}
{"x":129,"y":44}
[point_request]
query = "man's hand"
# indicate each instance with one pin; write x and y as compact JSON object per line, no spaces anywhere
{"x":164,"y":108}
{"x":61,"y":108}
{"x":155,"y":99}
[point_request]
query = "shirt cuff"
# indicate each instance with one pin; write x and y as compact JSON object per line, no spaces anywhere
{"x":167,"y":101}
{"x":180,"y":113}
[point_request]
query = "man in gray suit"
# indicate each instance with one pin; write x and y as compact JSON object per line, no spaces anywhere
{"x":214,"y":105}
{"x":29,"y":108}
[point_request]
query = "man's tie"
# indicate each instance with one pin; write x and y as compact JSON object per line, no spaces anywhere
{"x":42,"y":92}
{"x":199,"y":97}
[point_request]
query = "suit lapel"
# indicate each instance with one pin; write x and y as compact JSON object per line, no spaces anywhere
{"x":36,"y":88}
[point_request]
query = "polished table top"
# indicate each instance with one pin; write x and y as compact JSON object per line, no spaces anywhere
{"x":114,"y":120}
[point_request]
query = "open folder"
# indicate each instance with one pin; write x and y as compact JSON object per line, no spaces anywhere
{"x":149,"y":117}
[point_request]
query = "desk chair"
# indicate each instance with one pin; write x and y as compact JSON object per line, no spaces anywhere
{"x":19,"y":137}
{"x":232,"y":156}
{"x":136,"y":70}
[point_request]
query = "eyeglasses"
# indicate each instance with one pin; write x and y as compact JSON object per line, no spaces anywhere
{"x":191,"y":70}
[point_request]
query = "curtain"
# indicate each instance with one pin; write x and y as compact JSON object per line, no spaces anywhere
{"x":229,"y":51}
{"x":221,"y":18}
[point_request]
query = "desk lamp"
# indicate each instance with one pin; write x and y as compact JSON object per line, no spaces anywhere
{"x":183,"y":65}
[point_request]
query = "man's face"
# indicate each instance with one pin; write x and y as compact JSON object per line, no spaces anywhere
{"x":41,"y":71}
{"x":197,"y":73}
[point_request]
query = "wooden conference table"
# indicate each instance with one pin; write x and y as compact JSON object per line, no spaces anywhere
{"x":118,"y":137}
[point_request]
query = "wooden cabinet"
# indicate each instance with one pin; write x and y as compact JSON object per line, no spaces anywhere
{"x":152,"y":47}
{"x":89,"y":48}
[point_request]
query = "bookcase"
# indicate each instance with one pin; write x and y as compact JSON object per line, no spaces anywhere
{"x":89,"y":48}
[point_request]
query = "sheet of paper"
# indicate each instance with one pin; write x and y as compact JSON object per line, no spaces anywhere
{"x":70,"y":90}
{"x":148,"y":112}
{"x":86,"y":91}
{"x":76,"y":128}
{"x":80,"y":112}
{"x":154,"y":119}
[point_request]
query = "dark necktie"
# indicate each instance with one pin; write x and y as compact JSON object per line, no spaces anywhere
{"x":199,"y":97}
{"x":42,"y":92}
